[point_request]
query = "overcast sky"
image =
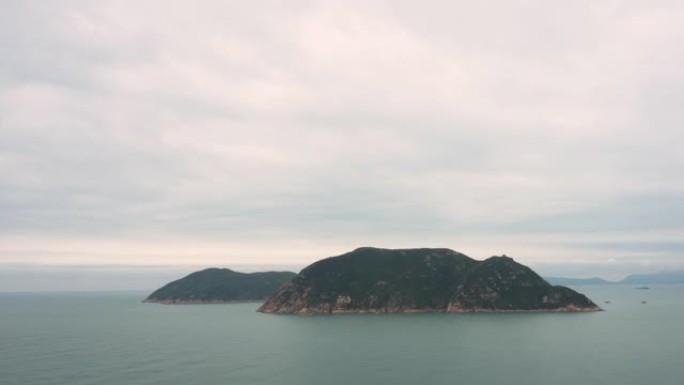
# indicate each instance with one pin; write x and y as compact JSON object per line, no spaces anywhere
{"x":176,"y":135}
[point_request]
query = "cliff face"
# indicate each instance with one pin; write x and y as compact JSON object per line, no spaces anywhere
{"x":220,"y":286}
{"x":419,"y":280}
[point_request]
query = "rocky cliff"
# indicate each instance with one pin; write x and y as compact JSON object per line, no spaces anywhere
{"x":420,"y":280}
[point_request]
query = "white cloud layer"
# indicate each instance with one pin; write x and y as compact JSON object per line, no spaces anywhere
{"x":282,"y":132}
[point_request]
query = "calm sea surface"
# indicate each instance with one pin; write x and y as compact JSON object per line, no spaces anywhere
{"x":112,"y":338}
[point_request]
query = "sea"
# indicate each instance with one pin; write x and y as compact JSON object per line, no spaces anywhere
{"x":112,"y":338}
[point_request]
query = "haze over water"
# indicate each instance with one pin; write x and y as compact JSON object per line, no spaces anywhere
{"x":112,"y":338}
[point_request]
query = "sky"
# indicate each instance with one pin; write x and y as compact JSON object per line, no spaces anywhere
{"x":143,"y":140}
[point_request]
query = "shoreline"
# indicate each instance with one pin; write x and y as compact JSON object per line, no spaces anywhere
{"x":426,"y":311}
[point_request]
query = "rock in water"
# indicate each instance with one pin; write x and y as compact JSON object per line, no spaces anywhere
{"x":220,"y":286}
{"x":372,"y":280}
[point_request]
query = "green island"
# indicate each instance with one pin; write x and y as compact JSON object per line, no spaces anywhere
{"x":374,"y":280}
{"x":220,"y":286}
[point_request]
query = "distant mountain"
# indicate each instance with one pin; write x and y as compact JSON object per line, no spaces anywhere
{"x":665,"y":277}
{"x":577,"y":281}
{"x":220,"y":286}
{"x":372,"y":280}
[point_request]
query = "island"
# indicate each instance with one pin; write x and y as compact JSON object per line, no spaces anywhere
{"x":577,"y":281}
{"x":216,"y":285}
{"x":374,"y":280}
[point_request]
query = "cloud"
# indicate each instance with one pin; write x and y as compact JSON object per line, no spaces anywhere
{"x":328,"y":126}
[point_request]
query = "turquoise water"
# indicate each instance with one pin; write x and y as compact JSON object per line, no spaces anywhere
{"x":111,"y":338}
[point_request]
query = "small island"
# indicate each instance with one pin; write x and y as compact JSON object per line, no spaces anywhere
{"x":220,"y":286}
{"x":374,"y":280}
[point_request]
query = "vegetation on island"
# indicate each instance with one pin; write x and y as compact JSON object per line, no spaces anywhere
{"x":416,"y":280}
{"x":220,"y":286}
